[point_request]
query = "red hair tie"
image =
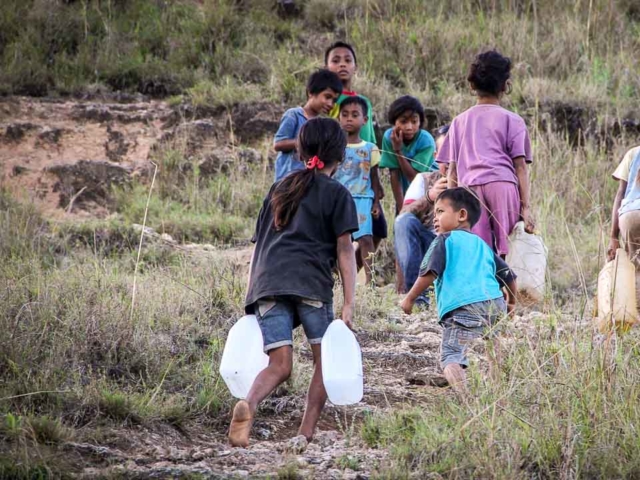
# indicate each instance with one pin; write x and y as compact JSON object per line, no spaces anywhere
{"x":315,"y":162}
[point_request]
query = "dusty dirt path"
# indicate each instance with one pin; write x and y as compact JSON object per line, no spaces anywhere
{"x":400,"y":371}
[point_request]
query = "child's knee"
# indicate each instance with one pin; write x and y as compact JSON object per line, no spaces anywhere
{"x":366,"y":243}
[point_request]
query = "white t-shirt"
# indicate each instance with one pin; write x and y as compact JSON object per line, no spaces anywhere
{"x":628,"y":171}
{"x":416,"y":190}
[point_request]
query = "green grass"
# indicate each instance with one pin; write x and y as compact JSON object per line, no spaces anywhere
{"x":218,"y":49}
{"x":564,"y":407}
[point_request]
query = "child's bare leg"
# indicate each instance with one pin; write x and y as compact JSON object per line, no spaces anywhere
{"x":457,"y":378}
{"x":366,"y":253}
{"x":279,"y":370}
{"x":359,"y":263}
{"x":316,"y":397}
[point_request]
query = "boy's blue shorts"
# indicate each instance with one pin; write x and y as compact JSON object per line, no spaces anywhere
{"x":464,"y":325}
{"x":365,"y":219}
{"x":279,"y":316}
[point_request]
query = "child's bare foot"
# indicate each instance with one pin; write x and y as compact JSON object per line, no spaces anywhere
{"x":240,"y":425}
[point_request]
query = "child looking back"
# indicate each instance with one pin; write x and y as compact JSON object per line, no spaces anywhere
{"x":487,"y":150}
{"x":468,"y":278}
{"x":407,"y":149}
{"x":341,"y":59}
{"x":358,"y":172}
{"x":303,"y":231}
{"x":323,"y":88}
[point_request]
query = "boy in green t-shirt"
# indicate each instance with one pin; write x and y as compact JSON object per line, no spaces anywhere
{"x":340,"y":58}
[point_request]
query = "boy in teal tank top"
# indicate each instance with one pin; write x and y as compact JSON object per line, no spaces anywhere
{"x":468,"y":278}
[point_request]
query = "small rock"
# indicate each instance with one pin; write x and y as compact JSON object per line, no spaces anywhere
{"x":17,"y":131}
{"x":334,"y":473}
{"x":430,"y":379}
{"x":18,"y":170}
{"x":224,"y":453}
{"x":167,"y":238}
{"x":297,"y":444}
{"x":302,"y":462}
{"x":50,"y":135}
{"x":240,"y":473}
{"x":202,"y":454}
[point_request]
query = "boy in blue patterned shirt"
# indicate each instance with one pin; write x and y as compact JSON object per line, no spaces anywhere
{"x":358,"y":173}
{"x":323,"y":89}
{"x":468,"y":278}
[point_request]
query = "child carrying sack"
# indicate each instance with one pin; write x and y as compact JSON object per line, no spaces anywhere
{"x":243,"y":357}
{"x":527,"y":258}
{"x":617,"y":307}
{"x":341,"y":365}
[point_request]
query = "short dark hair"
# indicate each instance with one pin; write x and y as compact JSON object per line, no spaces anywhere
{"x":404,"y":104}
{"x":489,"y":72}
{"x":322,"y":79}
{"x":443,"y":130}
{"x":339,"y":44}
{"x":356,"y":100}
{"x":460,"y":198}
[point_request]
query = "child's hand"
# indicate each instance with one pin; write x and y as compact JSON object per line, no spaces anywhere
{"x":406,"y":305}
{"x":437,"y":188}
{"x":375,"y":211}
{"x":614,"y":244}
{"x":396,"y":139}
{"x":347,"y":315}
{"x":529,"y":224}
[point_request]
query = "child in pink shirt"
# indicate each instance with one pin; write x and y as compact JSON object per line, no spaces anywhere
{"x":487,"y":150}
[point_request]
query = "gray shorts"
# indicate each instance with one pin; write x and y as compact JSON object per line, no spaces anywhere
{"x":278,"y":317}
{"x":464,"y":325}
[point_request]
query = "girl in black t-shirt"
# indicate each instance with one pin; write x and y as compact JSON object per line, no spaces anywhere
{"x":303,"y":230}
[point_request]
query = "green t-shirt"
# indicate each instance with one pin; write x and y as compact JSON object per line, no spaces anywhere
{"x":420,"y":153}
{"x":367,"y":133}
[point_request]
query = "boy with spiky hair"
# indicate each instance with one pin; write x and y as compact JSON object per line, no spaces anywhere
{"x":341,"y":59}
{"x":323,"y":89}
{"x":468,"y":277}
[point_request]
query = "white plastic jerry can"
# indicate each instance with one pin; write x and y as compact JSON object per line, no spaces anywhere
{"x":243,"y":357}
{"x":527,"y":258}
{"x":341,"y":365}
{"x":617,"y":308}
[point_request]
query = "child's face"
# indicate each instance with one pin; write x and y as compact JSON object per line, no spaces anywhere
{"x":442,"y":167}
{"x":408,"y":124}
{"x":446,"y":218}
{"x":322,"y":102}
{"x":352,"y":118}
{"x":342,"y":63}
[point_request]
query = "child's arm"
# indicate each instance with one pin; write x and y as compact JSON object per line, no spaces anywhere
{"x":452,"y":175}
{"x":422,"y":283}
{"x":396,"y":188}
{"x":523,"y":184}
{"x":347,"y":267}
{"x":614,"y":242}
{"x":378,"y":192}
{"x":405,"y":166}
{"x":511,"y":288}
{"x":285,"y":145}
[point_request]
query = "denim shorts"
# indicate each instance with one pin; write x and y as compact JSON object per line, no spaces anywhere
{"x":464,"y":325}
{"x":278,"y":317}
{"x":379,"y":225}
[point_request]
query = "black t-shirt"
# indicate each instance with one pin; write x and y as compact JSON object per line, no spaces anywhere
{"x":299,"y":259}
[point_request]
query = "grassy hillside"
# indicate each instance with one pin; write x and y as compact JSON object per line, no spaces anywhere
{"x":583,"y":50}
{"x":79,"y":356}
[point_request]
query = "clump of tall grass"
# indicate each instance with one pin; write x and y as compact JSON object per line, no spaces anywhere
{"x":565,"y":407}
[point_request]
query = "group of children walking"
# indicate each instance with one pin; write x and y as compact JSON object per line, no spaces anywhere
{"x":327,"y":193}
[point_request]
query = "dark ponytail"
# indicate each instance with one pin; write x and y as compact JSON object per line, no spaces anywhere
{"x":320,"y":138}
